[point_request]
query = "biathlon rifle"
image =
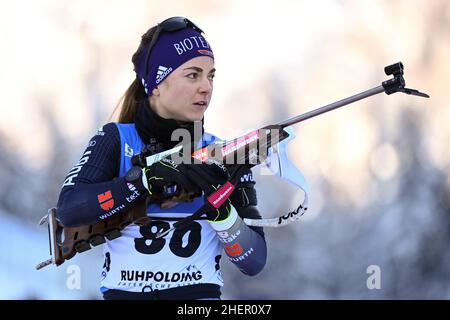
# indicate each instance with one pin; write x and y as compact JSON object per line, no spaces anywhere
{"x":248,"y":150}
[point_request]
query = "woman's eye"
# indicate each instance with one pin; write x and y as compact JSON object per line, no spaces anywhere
{"x":211,"y":76}
{"x":192,"y":75}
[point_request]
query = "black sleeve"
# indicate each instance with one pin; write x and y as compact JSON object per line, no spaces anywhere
{"x":92,"y":190}
{"x":245,"y":201}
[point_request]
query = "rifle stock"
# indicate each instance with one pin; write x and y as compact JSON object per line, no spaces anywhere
{"x":66,"y":242}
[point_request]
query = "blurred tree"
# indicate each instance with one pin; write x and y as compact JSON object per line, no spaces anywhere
{"x":12,"y":172}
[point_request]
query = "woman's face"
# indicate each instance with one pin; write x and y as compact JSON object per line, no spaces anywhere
{"x":185,"y":94}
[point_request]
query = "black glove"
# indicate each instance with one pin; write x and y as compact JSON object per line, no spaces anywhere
{"x":167,"y":178}
{"x":245,"y":193}
{"x":217,"y":184}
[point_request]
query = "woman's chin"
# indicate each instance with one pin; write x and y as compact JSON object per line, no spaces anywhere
{"x":195,"y":117}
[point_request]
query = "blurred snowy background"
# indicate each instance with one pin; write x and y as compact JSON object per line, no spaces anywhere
{"x":378,"y":169}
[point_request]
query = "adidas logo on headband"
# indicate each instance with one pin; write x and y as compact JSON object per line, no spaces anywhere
{"x":162,"y":73}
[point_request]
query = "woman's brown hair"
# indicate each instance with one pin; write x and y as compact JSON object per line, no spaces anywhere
{"x":135,"y":92}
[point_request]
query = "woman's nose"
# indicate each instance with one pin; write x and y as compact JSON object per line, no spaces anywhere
{"x":205,"y":85}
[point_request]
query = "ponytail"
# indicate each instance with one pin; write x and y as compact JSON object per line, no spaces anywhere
{"x":129,"y":101}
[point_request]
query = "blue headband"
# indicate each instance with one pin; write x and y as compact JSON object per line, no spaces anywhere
{"x":170,"y":51}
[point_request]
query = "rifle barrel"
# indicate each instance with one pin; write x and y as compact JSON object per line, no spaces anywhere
{"x":331,"y":106}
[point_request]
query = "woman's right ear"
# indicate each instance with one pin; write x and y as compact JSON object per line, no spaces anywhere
{"x":155,"y":91}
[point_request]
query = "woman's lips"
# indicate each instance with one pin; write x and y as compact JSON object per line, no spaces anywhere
{"x":201,"y":104}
